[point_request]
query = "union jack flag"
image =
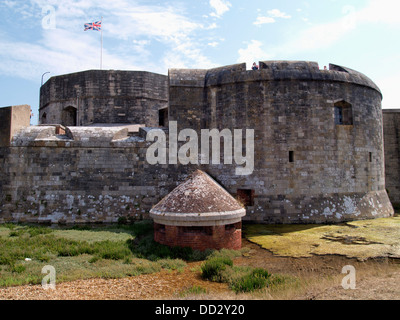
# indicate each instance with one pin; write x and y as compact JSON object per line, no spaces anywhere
{"x":93,"y":26}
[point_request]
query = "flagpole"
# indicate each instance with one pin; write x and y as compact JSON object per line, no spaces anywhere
{"x":101,"y":52}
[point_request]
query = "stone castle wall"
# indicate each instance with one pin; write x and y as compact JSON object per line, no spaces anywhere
{"x":103,"y":96}
{"x":391,"y":130}
{"x":85,"y":175}
{"x":308,"y":168}
{"x":12,"y":120}
{"x":318,"y":150}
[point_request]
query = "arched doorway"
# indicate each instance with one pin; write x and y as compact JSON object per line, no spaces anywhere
{"x":43,"y":119}
{"x":163,"y":117}
{"x":68,"y":116}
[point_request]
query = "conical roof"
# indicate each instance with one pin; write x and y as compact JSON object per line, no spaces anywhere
{"x":198,"y":201}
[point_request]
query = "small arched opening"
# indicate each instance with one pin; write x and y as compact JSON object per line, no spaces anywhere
{"x":343,"y":113}
{"x":43,"y":118}
{"x":69,"y":116}
{"x":163,"y":117}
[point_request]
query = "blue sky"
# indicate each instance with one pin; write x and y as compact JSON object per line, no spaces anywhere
{"x":38,"y":36}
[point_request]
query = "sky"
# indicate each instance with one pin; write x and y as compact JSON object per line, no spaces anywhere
{"x":44,"y":38}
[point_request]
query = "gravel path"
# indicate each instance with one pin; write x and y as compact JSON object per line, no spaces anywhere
{"x":162,"y":285}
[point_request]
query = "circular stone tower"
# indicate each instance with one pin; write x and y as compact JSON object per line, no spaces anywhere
{"x":318,"y":142}
{"x":199,"y":214}
{"x":104,"y":96}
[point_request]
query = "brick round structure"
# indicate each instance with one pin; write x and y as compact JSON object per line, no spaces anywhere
{"x":199,"y":214}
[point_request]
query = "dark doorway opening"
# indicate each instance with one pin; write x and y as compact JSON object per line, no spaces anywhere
{"x":246,"y":197}
{"x":69,"y":116}
{"x":43,"y":119}
{"x":163,"y":117}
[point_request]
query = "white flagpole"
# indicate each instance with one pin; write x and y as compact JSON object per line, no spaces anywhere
{"x":101,"y":53}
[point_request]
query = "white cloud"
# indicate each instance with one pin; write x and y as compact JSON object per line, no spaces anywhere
{"x":276,"y":13}
{"x":159,"y":22}
{"x":253,"y":53}
{"x":212,"y":26}
{"x":379,"y":11}
{"x":326,"y":35}
{"x":271,"y":17}
{"x":220,"y":7}
{"x":129,"y":29}
{"x":264,"y":20}
{"x":213,"y":44}
{"x":59,"y":52}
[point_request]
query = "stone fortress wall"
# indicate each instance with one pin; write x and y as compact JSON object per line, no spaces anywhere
{"x":103,"y":96}
{"x":84,"y":174}
{"x":318,"y":137}
{"x":318,"y":147}
{"x":391,"y":130}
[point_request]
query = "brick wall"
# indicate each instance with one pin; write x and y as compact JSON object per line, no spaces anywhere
{"x":200,"y":238}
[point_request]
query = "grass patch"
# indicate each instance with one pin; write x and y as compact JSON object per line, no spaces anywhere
{"x":83,"y":252}
{"x":241,"y":279}
{"x":194,"y":290}
{"x":213,"y":269}
{"x":257,"y":279}
{"x":172,"y":264}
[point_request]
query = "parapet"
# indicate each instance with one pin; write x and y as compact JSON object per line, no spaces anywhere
{"x":268,"y":71}
{"x":87,"y":137}
{"x":102,"y":83}
{"x":289,"y":66}
{"x":186,"y":77}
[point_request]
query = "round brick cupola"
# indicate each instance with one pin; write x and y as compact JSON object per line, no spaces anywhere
{"x":199,"y":214}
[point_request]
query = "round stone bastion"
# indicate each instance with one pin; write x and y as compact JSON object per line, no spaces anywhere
{"x":199,"y":214}
{"x":315,"y":145}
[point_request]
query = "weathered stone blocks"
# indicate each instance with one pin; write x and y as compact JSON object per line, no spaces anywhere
{"x":319,"y":155}
{"x":103,"y":96}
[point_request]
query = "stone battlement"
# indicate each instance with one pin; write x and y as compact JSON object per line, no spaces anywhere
{"x":268,"y":71}
{"x":75,"y":137}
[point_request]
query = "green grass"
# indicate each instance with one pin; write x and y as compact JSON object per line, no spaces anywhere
{"x":83,"y":252}
{"x":213,"y":269}
{"x":219,"y":267}
{"x":194,"y":290}
{"x":115,"y":251}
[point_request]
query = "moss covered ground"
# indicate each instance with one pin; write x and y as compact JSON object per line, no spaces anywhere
{"x":357,"y":239}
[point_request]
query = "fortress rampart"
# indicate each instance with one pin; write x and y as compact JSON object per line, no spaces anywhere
{"x":391,"y":130}
{"x":103,"y":96}
{"x":54,"y":174}
{"x":318,"y":150}
{"x":318,"y":137}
